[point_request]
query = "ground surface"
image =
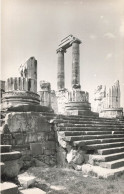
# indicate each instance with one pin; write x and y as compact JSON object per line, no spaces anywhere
{"x":67,"y":181}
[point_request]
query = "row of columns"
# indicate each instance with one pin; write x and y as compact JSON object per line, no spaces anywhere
{"x":75,"y":66}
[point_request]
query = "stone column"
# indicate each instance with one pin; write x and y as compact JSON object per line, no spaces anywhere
{"x":76,"y":64}
{"x":60,"y":73}
{"x":45,"y":93}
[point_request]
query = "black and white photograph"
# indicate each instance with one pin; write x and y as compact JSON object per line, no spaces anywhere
{"x":62,"y":97}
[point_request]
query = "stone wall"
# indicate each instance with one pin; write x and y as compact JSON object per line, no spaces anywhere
{"x":31,"y":134}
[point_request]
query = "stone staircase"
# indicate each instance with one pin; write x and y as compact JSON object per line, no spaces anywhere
{"x":102,"y":139}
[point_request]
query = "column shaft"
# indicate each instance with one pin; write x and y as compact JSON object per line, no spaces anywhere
{"x":60,"y":73}
{"x":75,"y":65}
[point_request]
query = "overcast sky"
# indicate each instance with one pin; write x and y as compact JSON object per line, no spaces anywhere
{"x":36,"y":27}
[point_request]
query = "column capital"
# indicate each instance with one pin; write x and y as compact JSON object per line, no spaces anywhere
{"x":61,"y":50}
{"x":75,"y":40}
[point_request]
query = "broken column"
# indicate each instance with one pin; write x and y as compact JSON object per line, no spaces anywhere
{"x":22,"y":90}
{"x":2,"y":87}
{"x":76,"y":64}
{"x":60,"y":73}
{"x":45,"y":93}
{"x":29,"y":71}
{"x":110,"y":104}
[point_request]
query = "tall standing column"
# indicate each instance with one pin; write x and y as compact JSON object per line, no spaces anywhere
{"x":60,"y":73}
{"x":76,"y":64}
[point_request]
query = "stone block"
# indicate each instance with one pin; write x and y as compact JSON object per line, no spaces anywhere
{"x":7,"y":156}
{"x":49,"y":152}
{"x":36,"y":148}
{"x":50,"y":145}
{"x":2,"y":167}
{"x":31,"y":137}
{"x":8,"y":188}
{"x":12,"y":168}
{"x":76,"y":157}
{"x":32,"y":191}
{"x":41,"y":136}
{"x":26,"y":181}
{"x":18,"y":138}
{"x":27,"y":122}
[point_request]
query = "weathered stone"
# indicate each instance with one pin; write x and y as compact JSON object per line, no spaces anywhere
{"x":75,"y":64}
{"x":30,"y":121}
{"x":61,"y":157}
{"x":2,"y":167}
{"x":36,"y":148}
{"x":57,"y":188}
{"x":45,"y":94}
{"x":12,"y":168}
{"x":49,"y":152}
{"x":26,"y":180}
{"x":54,"y":103}
{"x":60,"y":74}
{"x":39,"y":163}
{"x":20,"y":101}
{"x":107,"y":103}
{"x":29,"y":71}
{"x":18,"y":138}
{"x":75,"y":156}
{"x":50,"y":145}
{"x":31,"y":137}
{"x":8,"y":188}
{"x":32,"y":191}
{"x":10,"y":156}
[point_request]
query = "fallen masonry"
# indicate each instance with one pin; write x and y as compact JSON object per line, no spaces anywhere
{"x":56,"y":128}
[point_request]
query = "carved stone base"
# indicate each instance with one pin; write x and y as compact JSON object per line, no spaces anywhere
{"x":112,"y":113}
{"x":79,"y":108}
{"x":13,"y":98}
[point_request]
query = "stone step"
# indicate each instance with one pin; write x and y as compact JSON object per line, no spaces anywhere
{"x":90,"y":125}
{"x":89,"y":128}
{"x":8,"y":188}
{"x":104,"y":145}
{"x":96,"y":159}
{"x":5,"y":148}
{"x":76,"y":116}
{"x":85,"y":121}
{"x":10,"y":156}
{"x":97,"y":141}
{"x":74,"y":133}
{"x":113,"y":164}
{"x":89,"y":137}
{"x":110,"y":150}
{"x":100,"y":172}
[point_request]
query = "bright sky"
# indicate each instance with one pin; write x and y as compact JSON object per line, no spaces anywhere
{"x":36,"y":27}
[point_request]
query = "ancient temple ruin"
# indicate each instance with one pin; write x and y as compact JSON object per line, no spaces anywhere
{"x":74,"y":101}
{"x":58,"y":128}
